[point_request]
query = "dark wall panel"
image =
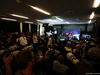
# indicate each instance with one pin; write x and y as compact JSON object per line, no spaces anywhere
{"x":97,"y":28}
{"x":9,"y":26}
{"x":25,"y":27}
{"x":33,"y":28}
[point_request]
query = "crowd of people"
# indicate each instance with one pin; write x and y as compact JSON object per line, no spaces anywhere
{"x":48,"y":56}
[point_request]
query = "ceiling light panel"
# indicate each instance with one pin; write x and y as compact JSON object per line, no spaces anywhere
{"x":89,"y":21}
{"x":9,"y":19}
{"x":29,"y":22}
{"x":40,"y":10}
{"x":40,"y":20}
{"x":92,"y":15}
{"x":20,"y":16}
{"x":96,"y":3}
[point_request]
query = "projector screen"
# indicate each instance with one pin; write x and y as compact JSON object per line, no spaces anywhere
{"x":68,"y":34}
{"x":86,"y":35}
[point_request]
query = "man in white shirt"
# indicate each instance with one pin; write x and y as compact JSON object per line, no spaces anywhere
{"x":35,"y":39}
{"x":23,"y":40}
{"x":50,"y":41}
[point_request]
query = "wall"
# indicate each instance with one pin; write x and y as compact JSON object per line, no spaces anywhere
{"x":96,"y":28}
{"x":10,"y":26}
{"x":82,"y":27}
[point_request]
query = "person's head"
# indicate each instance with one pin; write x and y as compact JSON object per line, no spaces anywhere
{"x":71,"y":33}
{"x":60,"y":58}
{"x":25,"y":59}
{"x":69,"y":45}
{"x":35,"y":34}
{"x":23,"y":34}
{"x":72,"y":41}
{"x":80,"y":42}
{"x":83,"y":67}
{"x":77,"y":46}
{"x":97,"y":44}
{"x":51,"y":36}
{"x":54,"y":46}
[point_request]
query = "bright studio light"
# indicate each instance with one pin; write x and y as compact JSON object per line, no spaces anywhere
{"x":9,"y":19}
{"x":92,"y":15}
{"x":19,"y":16}
{"x":96,"y":3}
{"x":89,"y":21}
{"x":29,"y":22}
{"x":40,"y":10}
{"x":60,"y":19}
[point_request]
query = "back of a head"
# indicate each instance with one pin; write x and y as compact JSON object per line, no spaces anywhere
{"x":83,"y":67}
{"x":80,"y":42}
{"x":22,"y":34}
{"x":54,"y":46}
{"x":77,"y":46}
{"x":60,"y":58}
{"x":72,"y":41}
{"x":69,"y":45}
{"x":97,"y":44}
{"x":22,"y":59}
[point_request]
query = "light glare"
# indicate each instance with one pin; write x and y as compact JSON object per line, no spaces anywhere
{"x":96,"y":3}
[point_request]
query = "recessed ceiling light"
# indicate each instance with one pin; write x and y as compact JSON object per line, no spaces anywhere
{"x":40,"y":10}
{"x":29,"y":22}
{"x":96,"y":3}
{"x":20,"y":16}
{"x":92,"y":15}
{"x":9,"y":19}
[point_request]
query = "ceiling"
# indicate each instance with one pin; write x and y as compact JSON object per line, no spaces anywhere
{"x":72,"y":11}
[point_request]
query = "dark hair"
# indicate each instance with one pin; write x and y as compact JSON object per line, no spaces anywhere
{"x":69,"y":45}
{"x":22,"y":59}
{"x":60,"y":58}
{"x":54,"y":46}
{"x":83,"y":67}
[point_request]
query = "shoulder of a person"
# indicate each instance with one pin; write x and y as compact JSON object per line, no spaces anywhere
{"x":55,"y":61}
{"x":18,"y":73}
{"x":20,"y":38}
